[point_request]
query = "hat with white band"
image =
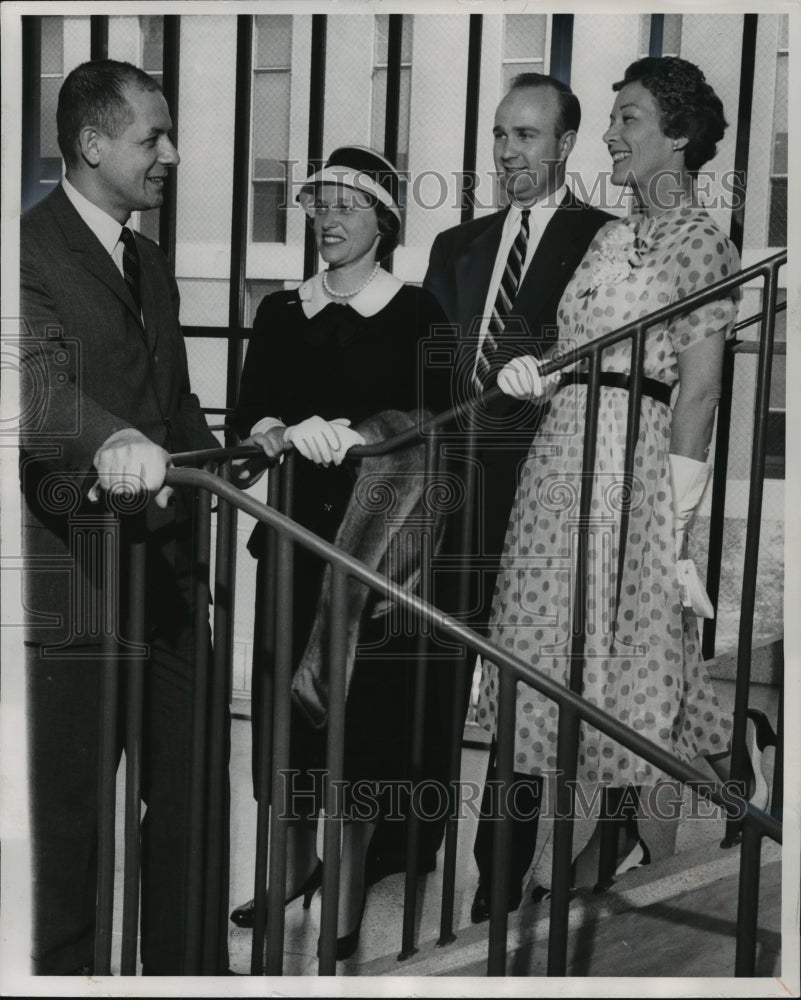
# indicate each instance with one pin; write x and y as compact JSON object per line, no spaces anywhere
{"x":356,"y":167}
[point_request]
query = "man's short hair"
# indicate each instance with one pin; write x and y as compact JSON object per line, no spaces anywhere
{"x":569,"y":108}
{"x":94,"y":94}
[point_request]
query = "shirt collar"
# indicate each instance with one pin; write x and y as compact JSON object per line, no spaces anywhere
{"x":542,"y":210}
{"x":367,"y":302}
{"x":106,"y":229}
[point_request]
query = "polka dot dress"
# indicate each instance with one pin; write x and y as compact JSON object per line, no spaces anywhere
{"x":649,"y":674}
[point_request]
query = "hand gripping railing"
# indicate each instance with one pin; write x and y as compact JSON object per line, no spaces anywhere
{"x":573,"y":709}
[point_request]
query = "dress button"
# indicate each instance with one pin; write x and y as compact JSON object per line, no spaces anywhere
{"x":328,"y":507}
{"x":167,"y":422}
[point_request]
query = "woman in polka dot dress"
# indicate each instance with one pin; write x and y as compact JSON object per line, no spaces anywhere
{"x":665,"y":123}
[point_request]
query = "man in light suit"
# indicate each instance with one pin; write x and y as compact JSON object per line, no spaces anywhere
{"x":534,"y":133}
{"x":106,"y":400}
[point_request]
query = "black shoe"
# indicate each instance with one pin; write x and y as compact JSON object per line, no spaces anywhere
{"x":480,"y":909}
{"x":348,"y":944}
{"x":243,"y":915}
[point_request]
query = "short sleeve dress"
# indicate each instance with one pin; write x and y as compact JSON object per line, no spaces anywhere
{"x":651,"y":677}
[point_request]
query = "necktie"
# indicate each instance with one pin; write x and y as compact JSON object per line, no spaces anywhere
{"x":130,"y":265}
{"x":507,"y":292}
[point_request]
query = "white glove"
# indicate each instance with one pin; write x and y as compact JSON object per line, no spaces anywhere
{"x":323,"y":441}
{"x":688,"y":479}
{"x":521,"y":379}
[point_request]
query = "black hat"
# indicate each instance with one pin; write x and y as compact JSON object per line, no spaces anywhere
{"x":359,"y":168}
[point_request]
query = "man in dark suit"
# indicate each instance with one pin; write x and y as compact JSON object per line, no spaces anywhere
{"x":106,"y":400}
{"x":549,"y":230}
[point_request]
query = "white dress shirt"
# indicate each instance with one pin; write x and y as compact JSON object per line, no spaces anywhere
{"x":540,"y":215}
{"x":105,"y":228}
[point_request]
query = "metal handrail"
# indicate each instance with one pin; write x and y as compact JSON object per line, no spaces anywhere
{"x":430,"y":614}
{"x":573,"y":709}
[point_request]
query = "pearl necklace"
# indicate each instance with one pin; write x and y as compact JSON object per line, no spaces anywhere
{"x":349,"y":295}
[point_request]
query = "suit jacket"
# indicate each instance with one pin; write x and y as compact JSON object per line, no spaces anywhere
{"x":90,"y":367}
{"x":463,"y":257}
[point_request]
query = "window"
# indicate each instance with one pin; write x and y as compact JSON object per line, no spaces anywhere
{"x":272,"y":66}
{"x":777,"y":204}
{"x":523,"y":46}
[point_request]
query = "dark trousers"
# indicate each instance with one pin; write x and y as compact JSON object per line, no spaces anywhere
{"x":64,"y":739}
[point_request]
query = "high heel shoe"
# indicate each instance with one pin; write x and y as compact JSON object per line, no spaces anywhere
{"x":347,"y":945}
{"x":243,"y":916}
{"x":762,"y":736}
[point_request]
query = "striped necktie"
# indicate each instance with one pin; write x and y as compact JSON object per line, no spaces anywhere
{"x":507,"y":292}
{"x":130,"y":265}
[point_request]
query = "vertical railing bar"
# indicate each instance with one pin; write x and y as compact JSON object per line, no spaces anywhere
{"x":109,"y":696}
{"x":566,"y":770}
{"x":446,"y":934}
{"x":98,"y":36}
{"x":392,"y":106}
{"x":471,"y":117}
{"x":718,"y":499}
{"x":561,"y":46}
{"x":502,"y":834}
{"x":335,"y":758}
{"x":171,"y":74}
{"x":274,"y":946}
{"x":216,"y":814}
{"x":742,"y":140}
{"x":418,"y":727}
{"x":752,"y":532}
{"x":268,"y":596}
{"x":239,"y":208}
{"x":31,"y":108}
{"x":133,"y":748}
{"x":585,"y":507}
{"x":748,"y":901}
{"x":656,"y":35}
{"x":197,"y":793}
{"x":314,"y":153}
{"x":632,"y":434}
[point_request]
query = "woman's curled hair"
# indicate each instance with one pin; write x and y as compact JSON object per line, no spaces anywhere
{"x":688,"y":106}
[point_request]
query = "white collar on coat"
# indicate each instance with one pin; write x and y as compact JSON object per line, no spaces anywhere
{"x":367,"y":302}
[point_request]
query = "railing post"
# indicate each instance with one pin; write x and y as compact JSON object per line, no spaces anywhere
{"x":567,"y":765}
{"x":446,"y":934}
{"x":108,"y":553}
{"x":502,"y":835}
{"x":751,"y":556}
{"x":134,"y":529}
{"x":197,"y":795}
{"x":748,"y":900}
{"x":274,"y":946}
{"x":217,"y":832}
{"x":266,"y":590}
{"x":335,"y":756}
{"x":418,"y":726}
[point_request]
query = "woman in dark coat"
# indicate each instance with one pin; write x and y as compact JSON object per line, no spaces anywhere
{"x":342,"y":347}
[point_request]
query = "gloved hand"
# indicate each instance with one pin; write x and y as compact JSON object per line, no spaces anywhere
{"x":688,"y":479}
{"x":521,"y":379}
{"x":323,"y":441}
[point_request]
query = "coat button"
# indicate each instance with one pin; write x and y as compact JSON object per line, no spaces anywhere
{"x":167,"y":422}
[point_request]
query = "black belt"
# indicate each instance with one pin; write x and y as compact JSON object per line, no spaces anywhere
{"x":619,"y":380}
